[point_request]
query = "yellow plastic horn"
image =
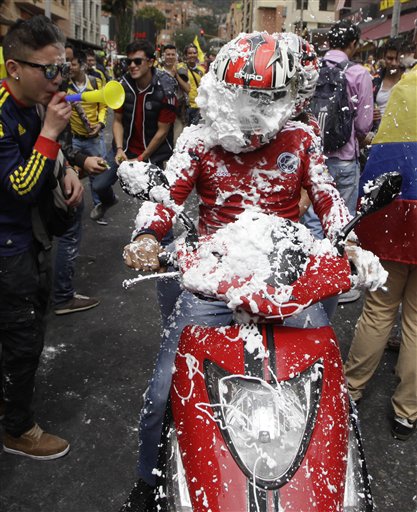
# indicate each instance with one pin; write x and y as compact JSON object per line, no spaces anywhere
{"x":112,"y":94}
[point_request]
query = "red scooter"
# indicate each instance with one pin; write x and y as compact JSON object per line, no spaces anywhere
{"x":259,"y":418}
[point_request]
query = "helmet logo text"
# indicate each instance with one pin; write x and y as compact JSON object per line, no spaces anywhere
{"x":248,"y":76}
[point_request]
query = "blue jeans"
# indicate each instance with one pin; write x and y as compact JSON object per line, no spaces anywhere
{"x":188,"y":310}
{"x":103,"y":182}
{"x":192,"y":116}
{"x":66,"y":254}
{"x":91,"y":147}
{"x":346,"y":176}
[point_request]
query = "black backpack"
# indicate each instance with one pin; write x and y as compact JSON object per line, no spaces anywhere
{"x":330,"y":105}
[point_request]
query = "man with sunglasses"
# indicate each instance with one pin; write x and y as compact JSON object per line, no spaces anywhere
{"x":88,"y":119}
{"x":195,"y":73}
{"x":143,"y":127}
{"x":35,"y":63}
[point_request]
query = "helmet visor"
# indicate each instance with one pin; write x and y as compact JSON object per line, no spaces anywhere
{"x":262,"y":112}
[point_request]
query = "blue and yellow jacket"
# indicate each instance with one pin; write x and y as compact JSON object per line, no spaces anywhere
{"x":27,"y":162}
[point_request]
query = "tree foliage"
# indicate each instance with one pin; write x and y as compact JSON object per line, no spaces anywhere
{"x":184,"y":37}
{"x":122,"y":12}
{"x":154,"y":14}
{"x":218,"y":6}
{"x":207,"y":23}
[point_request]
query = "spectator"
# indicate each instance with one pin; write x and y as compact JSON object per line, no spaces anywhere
{"x":343,"y":164}
{"x":101,"y":65}
{"x":408,"y":57}
{"x":65,"y":299}
{"x":69,"y":52}
{"x":143,"y":127}
{"x":35,"y":62}
{"x":392,"y":235}
{"x":370,"y":65}
{"x":92,"y":68}
{"x":195,"y":72}
{"x":210,"y":56}
{"x":170,"y":65}
{"x":88,"y":120}
{"x":385,"y":79}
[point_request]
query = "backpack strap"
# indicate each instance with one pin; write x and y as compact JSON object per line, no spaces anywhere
{"x":93,"y":81}
{"x":343,"y":65}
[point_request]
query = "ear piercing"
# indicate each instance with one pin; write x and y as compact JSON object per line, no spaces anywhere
{"x":17,"y":77}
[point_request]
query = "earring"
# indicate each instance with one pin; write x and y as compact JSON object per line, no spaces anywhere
{"x":17,"y":77}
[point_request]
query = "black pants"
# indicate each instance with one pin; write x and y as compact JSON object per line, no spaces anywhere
{"x":24,"y":293}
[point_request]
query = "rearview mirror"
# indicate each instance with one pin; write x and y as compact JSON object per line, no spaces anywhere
{"x":380,"y":192}
{"x":148,"y":182}
{"x":142,"y":180}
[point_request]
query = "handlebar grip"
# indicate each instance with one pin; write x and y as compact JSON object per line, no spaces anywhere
{"x":353,"y":269}
{"x":165,"y":259}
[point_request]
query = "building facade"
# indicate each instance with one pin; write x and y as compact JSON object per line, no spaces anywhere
{"x":375,"y":18}
{"x":80,"y":20}
{"x":177,"y":14}
{"x":282,"y":15}
{"x":10,"y":11}
{"x":85,"y":21}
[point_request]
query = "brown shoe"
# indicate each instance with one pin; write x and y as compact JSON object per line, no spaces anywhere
{"x":77,"y":303}
{"x":36,"y":444}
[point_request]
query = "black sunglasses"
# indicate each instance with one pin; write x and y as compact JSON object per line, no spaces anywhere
{"x":50,"y":71}
{"x":137,"y":62}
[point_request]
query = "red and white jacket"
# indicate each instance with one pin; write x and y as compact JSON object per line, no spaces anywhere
{"x":268,"y":179}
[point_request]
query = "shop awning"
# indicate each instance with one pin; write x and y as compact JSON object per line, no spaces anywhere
{"x":407,"y":23}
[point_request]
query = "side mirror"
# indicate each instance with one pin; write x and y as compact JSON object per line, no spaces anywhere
{"x":140,"y":179}
{"x":148,"y":182}
{"x":380,"y":192}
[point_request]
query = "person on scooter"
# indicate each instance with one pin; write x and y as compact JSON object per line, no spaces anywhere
{"x":248,"y":155}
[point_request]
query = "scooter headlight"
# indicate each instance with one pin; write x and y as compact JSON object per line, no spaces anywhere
{"x":266,"y":426}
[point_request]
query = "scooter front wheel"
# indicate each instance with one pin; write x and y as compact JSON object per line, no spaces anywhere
{"x":172,"y":491}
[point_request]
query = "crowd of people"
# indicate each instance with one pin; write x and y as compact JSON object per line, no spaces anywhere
{"x":47,"y":143}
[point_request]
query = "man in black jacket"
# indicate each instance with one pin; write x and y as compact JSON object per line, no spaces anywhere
{"x":35,"y":62}
{"x":143,"y":127}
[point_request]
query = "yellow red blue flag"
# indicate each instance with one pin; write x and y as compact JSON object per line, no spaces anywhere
{"x":199,"y":50}
{"x":391,"y":233}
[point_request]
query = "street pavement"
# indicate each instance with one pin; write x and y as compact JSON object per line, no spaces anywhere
{"x":95,"y":368}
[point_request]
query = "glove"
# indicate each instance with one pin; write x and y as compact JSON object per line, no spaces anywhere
{"x":142,"y":254}
{"x":369,"y":271}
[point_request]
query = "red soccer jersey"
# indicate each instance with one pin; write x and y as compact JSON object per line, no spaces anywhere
{"x":268,"y":179}
{"x":137,"y":140}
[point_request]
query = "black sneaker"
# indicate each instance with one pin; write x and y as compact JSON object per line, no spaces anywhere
{"x":140,"y":499}
{"x":97,"y":212}
{"x":2,"y":408}
{"x":77,"y":303}
{"x":402,"y":428}
{"x":394,"y":343}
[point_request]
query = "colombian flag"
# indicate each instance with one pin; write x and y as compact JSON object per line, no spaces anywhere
{"x":391,"y":233}
{"x":200,"y":52}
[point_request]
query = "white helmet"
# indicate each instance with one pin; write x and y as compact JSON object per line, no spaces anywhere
{"x":262,"y":73}
{"x":308,"y":67}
